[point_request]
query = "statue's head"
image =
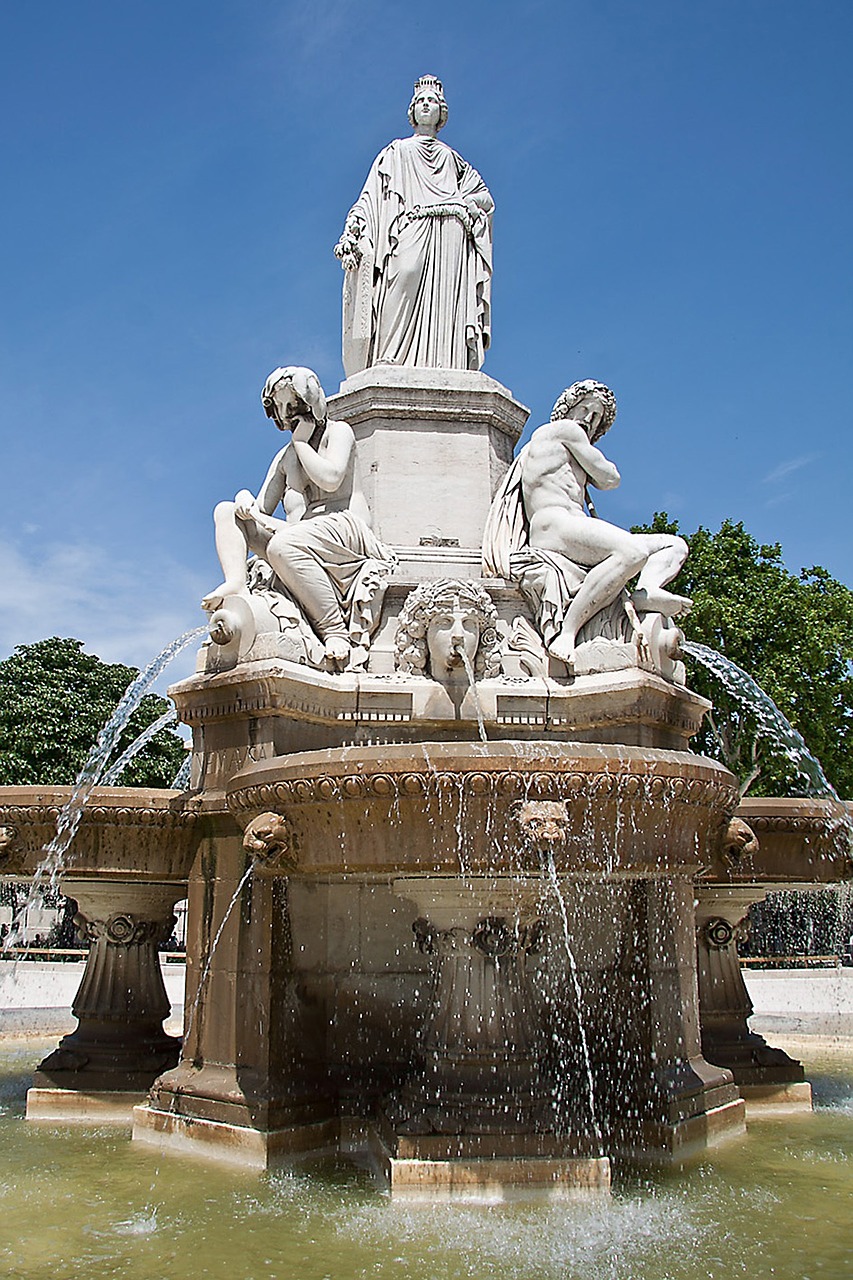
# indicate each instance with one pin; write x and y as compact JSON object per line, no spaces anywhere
{"x":293,"y":392}
{"x":442,"y":620}
{"x":427,"y":96}
{"x":580,"y":394}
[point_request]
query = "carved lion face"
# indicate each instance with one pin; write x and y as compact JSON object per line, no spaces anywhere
{"x":267,"y":837}
{"x":544,"y":823}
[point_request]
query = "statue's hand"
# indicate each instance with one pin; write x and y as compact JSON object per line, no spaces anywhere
{"x":245,"y":505}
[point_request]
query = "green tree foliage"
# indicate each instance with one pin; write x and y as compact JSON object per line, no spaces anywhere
{"x":54,"y":700}
{"x":793,"y":633}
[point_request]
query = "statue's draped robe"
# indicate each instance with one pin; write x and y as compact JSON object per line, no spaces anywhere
{"x":421,"y":294}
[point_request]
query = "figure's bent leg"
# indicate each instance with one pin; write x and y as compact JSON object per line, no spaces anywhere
{"x":666,"y":555}
{"x":600,"y":588}
{"x":312,"y":588}
{"x":232,"y":547}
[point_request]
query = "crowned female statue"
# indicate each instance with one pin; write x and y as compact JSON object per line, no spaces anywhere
{"x":417,"y":252}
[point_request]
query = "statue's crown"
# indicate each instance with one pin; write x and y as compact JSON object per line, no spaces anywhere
{"x":428,"y":82}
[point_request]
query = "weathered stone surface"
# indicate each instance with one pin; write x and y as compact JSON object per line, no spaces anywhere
{"x":433,"y":445}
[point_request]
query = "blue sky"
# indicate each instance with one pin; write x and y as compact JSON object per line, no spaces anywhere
{"x":673,"y":191}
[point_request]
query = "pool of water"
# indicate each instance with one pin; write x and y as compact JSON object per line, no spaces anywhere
{"x":83,"y":1202}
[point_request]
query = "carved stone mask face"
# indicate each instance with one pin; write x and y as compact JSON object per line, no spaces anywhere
{"x":449,"y":634}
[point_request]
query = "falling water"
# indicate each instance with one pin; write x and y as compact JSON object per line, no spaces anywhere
{"x":116,"y":770}
{"x":550,"y":868}
{"x":181,"y":780}
{"x":206,"y":970}
{"x":54,"y":860}
{"x":469,"y":671}
{"x":770,"y":722}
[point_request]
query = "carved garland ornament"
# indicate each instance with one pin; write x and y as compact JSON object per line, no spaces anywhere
{"x":509,"y":783}
{"x":492,"y":936}
{"x":95,"y":814}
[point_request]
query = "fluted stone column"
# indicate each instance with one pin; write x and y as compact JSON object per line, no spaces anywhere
{"x":119,"y":1044}
{"x":762,"y":1073}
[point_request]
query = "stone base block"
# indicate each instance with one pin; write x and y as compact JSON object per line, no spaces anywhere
{"x":252,"y":1148}
{"x":490,"y":1180}
{"x":672,"y":1145}
{"x":75,"y":1106}
{"x":776,"y":1099}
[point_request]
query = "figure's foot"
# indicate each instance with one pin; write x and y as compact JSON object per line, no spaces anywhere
{"x":658,"y":600}
{"x":338,"y":650}
{"x":564,"y":649}
{"x":230,"y":587}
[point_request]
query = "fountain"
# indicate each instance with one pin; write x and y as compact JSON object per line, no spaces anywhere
{"x":444,"y":835}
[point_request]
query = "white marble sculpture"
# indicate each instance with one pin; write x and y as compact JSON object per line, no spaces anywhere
{"x":417,"y":253}
{"x":543,"y":531}
{"x":323,"y":562}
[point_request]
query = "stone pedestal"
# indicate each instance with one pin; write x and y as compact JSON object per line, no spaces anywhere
{"x":433,"y":445}
{"x":119,"y":1046}
{"x":240,"y":1092}
{"x":478,"y":1120}
{"x":664,"y":1102}
{"x":766,"y":1077}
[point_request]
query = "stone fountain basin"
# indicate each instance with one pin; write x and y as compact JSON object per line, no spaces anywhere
{"x":136,"y":832}
{"x":802,"y":841}
{"x":443,"y":808}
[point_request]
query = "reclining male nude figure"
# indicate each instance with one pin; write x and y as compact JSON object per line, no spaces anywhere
{"x":319,"y":549}
{"x":557,"y":466}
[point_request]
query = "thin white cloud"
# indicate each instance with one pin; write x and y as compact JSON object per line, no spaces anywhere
{"x":122,"y":612}
{"x":787,"y":468}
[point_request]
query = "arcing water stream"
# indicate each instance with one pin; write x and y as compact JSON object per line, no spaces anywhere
{"x":93,"y":773}
{"x":770,"y":723}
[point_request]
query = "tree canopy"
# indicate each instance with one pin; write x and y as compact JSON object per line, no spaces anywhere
{"x":54,"y":700}
{"x":793,"y":633}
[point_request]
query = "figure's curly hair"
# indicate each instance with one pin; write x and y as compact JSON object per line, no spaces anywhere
{"x":429,"y":82}
{"x":432,"y":598}
{"x":570,"y":397}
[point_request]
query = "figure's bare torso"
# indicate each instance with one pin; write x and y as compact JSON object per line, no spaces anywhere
{"x":551,"y":475}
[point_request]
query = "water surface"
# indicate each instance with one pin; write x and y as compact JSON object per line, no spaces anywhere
{"x":77,"y":1203}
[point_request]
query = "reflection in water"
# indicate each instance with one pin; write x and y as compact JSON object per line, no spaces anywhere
{"x":80,"y":1202}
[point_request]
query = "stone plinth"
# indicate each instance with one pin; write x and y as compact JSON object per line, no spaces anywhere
{"x":764,"y":1075}
{"x":119,"y":1044}
{"x":478,"y":1120}
{"x":271,"y":708}
{"x":433,"y":445}
{"x":241,"y":1091}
